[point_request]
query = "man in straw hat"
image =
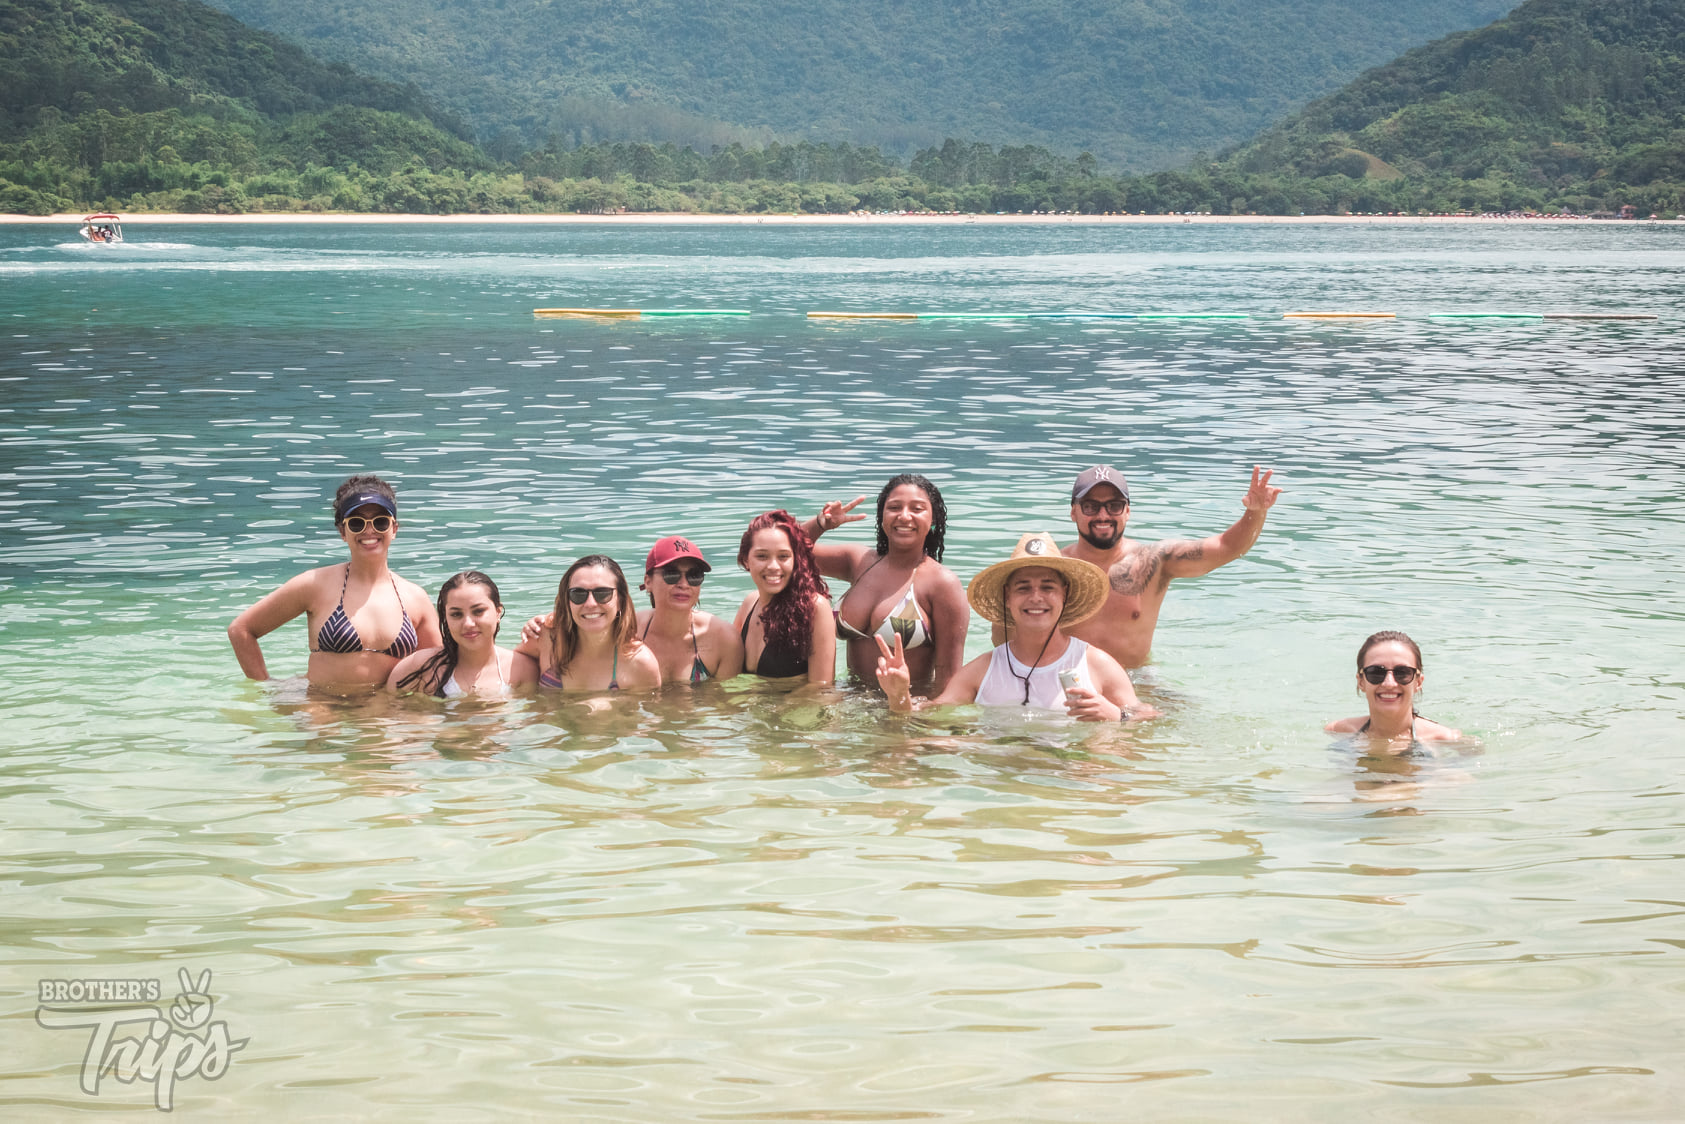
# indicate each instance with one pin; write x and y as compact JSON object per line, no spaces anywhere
{"x":1140,"y":573}
{"x":1035,"y":595}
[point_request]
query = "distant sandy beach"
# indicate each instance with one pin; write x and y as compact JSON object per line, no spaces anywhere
{"x":681,"y":218}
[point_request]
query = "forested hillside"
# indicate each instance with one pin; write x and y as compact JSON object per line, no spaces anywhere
{"x":1574,"y":102}
{"x":1141,"y":84}
{"x":169,"y":104}
{"x":166,"y":105}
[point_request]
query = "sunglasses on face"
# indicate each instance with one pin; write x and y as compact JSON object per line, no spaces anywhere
{"x":1403,"y":674}
{"x":356,"y":524}
{"x":1112,"y":507}
{"x":694,"y":575}
{"x":603,"y":593}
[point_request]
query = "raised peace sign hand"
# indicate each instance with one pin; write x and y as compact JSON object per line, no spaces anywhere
{"x":893,"y":676}
{"x":1260,"y":496}
{"x":835,"y":513}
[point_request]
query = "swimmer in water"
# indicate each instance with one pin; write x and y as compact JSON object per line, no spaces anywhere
{"x":692,"y":646}
{"x":1140,"y":572}
{"x":899,"y":587}
{"x":355,"y":637}
{"x":786,"y":624}
{"x":469,"y":662}
{"x":593,"y":643}
{"x":1036,"y":595}
{"x":1389,"y":677}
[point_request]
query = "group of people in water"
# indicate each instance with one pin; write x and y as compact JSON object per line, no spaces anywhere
{"x":1067,"y":623}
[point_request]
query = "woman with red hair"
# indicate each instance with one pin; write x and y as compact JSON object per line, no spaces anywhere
{"x":786,"y":624}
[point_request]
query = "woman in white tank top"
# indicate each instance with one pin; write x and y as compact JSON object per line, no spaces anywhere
{"x":1036,"y":594}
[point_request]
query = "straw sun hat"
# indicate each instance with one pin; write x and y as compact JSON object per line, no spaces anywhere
{"x":1086,"y":583}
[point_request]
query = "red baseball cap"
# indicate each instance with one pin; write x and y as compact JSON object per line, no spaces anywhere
{"x":671,"y":549}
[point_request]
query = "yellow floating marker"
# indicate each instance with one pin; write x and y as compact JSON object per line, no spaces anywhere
{"x":1339,"y":316}
{"x":630,"y":313}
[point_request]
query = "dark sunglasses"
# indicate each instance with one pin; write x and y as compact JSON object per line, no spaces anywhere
{"x":1113,"y":507}
{"x":356,"y":523}
{"x":695,"y":575}
{"x":603,"y":593}
{"x":1403,"y":674}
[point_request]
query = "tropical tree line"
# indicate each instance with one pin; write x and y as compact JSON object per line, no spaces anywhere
{"x":362,"y":160}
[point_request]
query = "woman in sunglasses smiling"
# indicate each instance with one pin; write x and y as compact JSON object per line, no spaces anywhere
{"x":591,"y":640}
{"x":1389,"y":677}
{"x":690,"y":645}
{"x":362,"y":617}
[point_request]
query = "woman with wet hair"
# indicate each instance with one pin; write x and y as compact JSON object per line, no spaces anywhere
{"x":469,"y":662}
{"x":1390,"y":676}
{"x":899,"y":587}
{"x":362,"y":618}
{"x":590,"y":642}
{"x":785,"y":625}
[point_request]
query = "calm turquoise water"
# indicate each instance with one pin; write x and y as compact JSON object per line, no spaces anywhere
{"x":730,"y":905}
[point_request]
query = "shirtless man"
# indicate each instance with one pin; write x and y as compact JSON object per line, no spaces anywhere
{"x":1140,"y":573}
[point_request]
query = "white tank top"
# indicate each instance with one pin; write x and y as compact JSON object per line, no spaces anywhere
{"x":1001,"y":687}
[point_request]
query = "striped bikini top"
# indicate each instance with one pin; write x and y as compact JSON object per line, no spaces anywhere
{"x":339,"y":635}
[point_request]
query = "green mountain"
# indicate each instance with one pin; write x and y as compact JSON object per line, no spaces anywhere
{"x":1572,"y":102}
{"x":1139,"y":83}
{"x":171,"y":105}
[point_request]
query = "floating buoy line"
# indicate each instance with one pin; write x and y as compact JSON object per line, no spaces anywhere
{"x":1079,"y":314}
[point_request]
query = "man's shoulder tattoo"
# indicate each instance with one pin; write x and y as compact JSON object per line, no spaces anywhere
{"x":1132,"y":575}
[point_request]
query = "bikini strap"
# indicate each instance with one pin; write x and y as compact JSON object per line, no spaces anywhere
{"x":837,"y":610}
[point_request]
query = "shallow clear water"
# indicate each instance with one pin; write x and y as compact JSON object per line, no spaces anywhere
{"x":729,"y":905}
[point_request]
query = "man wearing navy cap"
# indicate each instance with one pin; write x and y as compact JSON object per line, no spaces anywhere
{"x":1140,"y":573}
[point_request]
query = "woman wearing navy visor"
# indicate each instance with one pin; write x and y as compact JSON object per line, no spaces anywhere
{"x":362,"y":618}
{"x":690,"y":645}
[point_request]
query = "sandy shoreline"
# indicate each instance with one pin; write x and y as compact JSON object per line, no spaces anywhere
{"x":679,"y":218}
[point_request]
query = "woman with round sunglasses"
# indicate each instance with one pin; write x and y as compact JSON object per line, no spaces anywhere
{"x":899,"y":587}
{"x":468,"y":662}
{"x":362,"y":618}
{"x":785,"y":625}
{"x":691,"y":646}
{"x":1390,"y":677}
{"x":1037,"y":594}
{"x":590,"y":642}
